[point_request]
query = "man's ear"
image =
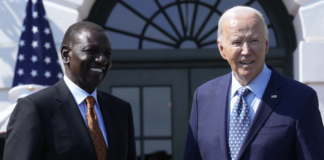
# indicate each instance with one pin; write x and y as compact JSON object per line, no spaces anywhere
{"x":221,"y":49}
{"x":65,"y":54}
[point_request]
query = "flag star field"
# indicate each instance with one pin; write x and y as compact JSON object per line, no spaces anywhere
{"x":37,"y":59}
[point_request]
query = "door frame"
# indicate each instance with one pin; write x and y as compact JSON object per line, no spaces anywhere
{"x":177,"y":79}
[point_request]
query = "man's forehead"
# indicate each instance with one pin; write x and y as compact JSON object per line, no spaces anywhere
{"x":234,"y":20}
{"x":83,"y":32}
{"x":242,"y":23}
{"x":236,"y":29}
{"x":88,"y":34}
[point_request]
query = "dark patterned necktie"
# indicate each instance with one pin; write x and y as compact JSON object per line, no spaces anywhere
{"x":94,"y":129}
{"x":239,"y":123}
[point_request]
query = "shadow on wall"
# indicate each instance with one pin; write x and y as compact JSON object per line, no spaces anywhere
{"x":13,"y":13}
{"x":57,"y":32}
{"x":8,"y":61}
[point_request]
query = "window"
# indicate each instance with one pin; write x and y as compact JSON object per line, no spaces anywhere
{"x":171,"y":24}
{"x":151,"y":106}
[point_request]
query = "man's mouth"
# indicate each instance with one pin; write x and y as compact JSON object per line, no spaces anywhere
{"x":246,"y":62}
{"x":97,"y":69}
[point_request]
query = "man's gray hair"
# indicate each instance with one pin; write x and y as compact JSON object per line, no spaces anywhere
{"x":237,"y":12}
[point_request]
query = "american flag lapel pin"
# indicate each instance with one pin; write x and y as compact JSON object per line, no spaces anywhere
{"x":273,"y":96}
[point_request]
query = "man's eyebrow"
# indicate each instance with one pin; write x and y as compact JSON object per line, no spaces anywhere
{"x":255,"y":36}
{"x":235,"y":38}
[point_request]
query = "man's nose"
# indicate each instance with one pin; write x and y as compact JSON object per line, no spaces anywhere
{"x":245,"y":49}
{"x":102,"y":59}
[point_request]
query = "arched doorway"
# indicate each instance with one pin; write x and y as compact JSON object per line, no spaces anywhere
{"x":164,"y":49}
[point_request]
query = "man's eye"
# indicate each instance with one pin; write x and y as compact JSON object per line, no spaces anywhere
{"x":90,"y":50}
{"x":236,"y":43}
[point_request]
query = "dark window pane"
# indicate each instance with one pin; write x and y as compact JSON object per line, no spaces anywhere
{"x":153,"y":45}
{"x":187,"y":13}
{"x":174,"y":15}
{"x":227,"y":4}
{"x":157,"y":112}
{"x":141,"y":6}
{"x":258,"y":7}
{"x":154,"y":33}
{"x":122,"y":41}
{"x":123,"y":19}
{"x":272,"y":38}
{"x":212,"y":23}
{"x":188,"y":44}
{"x":138,"y":147}
{"x":162,"y":22}
{"x":210,"y":2}
{"x":202,"y":13}
{"x":131,"y":95}
{"x":157,"y":149}
{"x":166,"y":2}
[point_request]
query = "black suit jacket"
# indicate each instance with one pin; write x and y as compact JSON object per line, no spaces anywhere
{"x":49,"y":125}
{"x":286,"y":126}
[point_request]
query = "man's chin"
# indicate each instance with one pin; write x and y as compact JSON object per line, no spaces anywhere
{"x":92,"y":84}
{"x":245,"y":76}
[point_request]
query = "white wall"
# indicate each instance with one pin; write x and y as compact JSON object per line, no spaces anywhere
{"x":61,"y":14}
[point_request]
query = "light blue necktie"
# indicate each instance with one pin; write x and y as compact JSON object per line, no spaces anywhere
{"x":239,"y":123}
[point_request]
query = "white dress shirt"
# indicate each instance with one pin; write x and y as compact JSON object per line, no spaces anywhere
{"x":257,"y":87}
{"x":79,"y":96}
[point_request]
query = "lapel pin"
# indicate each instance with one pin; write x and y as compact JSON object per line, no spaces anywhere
{"x":273,"y":96}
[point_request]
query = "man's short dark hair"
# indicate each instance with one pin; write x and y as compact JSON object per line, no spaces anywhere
{"x":73,"y":30}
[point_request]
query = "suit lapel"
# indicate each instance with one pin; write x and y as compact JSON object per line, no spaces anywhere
{"x":221,"y":101}
{"x":72,"y":115}
{"x":266,"y":107}
{"x":109,"y":115}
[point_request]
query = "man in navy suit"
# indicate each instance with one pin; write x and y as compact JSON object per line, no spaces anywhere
{"x":276,"y":118}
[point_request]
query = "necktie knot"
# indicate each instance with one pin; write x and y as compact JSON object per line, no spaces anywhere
{"x":90,"y":102}
{"x":243,"y":91}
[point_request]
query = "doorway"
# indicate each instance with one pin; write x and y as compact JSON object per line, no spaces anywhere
{"x":160,"y":105}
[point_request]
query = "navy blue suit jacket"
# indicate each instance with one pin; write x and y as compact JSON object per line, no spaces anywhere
{"x":287,"y":127}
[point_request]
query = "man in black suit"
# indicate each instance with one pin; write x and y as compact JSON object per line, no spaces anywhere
{"x":57,"y":122}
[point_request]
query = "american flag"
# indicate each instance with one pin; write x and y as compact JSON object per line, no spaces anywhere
{"x":37,"y":60}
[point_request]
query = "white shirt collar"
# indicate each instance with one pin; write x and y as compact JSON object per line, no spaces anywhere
{"x":254,"y":86}
{"x":79,"y":94}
